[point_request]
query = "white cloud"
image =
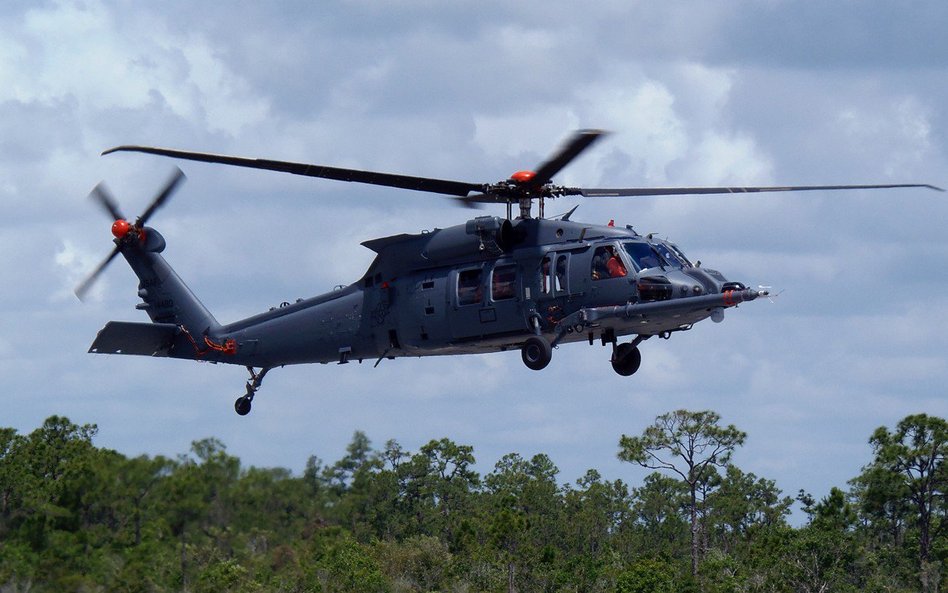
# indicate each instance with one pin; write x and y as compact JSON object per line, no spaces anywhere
{"x":905,"y":125}
{"x":514,"y":134}
{"x":75,"y":265}
{"x":80,"y":50}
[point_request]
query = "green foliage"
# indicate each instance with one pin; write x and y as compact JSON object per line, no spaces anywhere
{"x":346,"y":566}
{"x":834,"y":514}
{"x":685,"y":443}
{"x":77,"y":517}
{"x":902,"y":493}
{"x":647,"y":576}
{"x":419,"y":563}
{"x":690,"y":445}
{"x":226,"y":576}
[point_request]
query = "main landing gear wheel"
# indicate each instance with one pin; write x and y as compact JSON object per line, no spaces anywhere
{"x":626,"y":359}
{"x":536,"y":352}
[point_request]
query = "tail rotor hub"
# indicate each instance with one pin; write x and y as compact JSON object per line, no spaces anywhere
{"x":120,"y":228}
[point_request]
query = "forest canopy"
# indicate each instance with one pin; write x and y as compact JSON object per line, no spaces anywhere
{"x":77,"y":517}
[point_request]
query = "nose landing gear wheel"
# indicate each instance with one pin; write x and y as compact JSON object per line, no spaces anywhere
{"x":626,"y":359}
{"x":536,"y":352}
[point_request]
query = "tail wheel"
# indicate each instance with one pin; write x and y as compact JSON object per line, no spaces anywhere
{"x":536,"y":352}
{"x":626,"y":359}
{"x":242,"y":405}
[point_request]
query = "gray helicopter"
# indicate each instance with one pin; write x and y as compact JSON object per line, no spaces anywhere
{"x":490,"y":285}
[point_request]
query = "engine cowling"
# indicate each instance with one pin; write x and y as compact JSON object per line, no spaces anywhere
{"x":485,"y":234}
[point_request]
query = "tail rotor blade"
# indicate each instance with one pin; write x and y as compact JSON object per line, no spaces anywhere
{"x":83,"y":288}
{"x":176,"y":178}
{"x":102,"y":196}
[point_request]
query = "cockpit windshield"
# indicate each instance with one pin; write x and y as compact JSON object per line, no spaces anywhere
{"x":643,"y":255}
{"x":672,"y":255}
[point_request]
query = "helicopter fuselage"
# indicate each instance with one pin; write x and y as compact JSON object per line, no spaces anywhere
{"x":486,"y":286}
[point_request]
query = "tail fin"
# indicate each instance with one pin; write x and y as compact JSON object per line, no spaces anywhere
{"x":165,"y":297}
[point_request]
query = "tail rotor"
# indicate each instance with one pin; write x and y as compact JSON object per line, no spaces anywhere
{"x":125,"y":233}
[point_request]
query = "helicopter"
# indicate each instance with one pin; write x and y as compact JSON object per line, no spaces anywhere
{"x":493,"y":284}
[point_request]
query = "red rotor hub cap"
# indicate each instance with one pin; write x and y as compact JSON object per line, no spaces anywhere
{"x":120,"y":228}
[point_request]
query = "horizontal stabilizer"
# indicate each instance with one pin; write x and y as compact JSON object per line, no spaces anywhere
{"x":143,"y":339}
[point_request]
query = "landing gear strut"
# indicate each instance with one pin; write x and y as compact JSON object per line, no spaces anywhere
{"x":243,"y":403}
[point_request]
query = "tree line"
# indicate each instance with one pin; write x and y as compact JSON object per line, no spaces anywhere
{"x":77,"y":517}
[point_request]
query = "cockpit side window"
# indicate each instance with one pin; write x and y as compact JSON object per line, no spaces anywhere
{"x":606,"y":263}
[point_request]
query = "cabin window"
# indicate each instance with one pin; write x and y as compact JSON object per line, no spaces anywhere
{"x":503,"y":282}
{"x":607,"y":263}
{"x":469,"y":287}
{"x":546,"y":271}
{"x":559,"y":278}
{"x":553,"y":276}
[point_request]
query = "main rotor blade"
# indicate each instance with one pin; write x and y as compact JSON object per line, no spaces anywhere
{"x":485,"y":198}
{"x":426,"y":184}
{"x":91,"y":278}
{"x":176,"y":178}
{"x":684,"y":191}
{"x":102,"y":196}
{"x":580,"y":141}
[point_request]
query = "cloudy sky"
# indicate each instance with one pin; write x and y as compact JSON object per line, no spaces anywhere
{"x":762,"y":92}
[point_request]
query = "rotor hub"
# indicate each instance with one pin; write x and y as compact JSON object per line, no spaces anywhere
{"x":120,"y":228}
{"x":523,"y":176}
